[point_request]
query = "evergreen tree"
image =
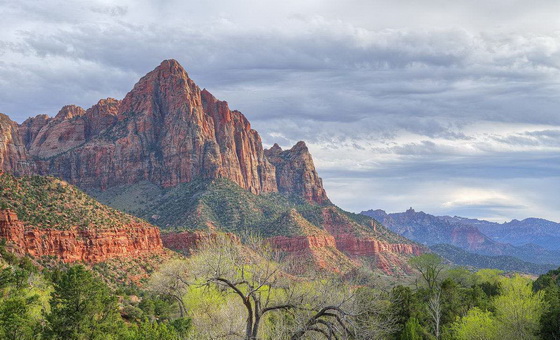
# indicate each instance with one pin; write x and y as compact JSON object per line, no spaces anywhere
{"x":82,"y":307}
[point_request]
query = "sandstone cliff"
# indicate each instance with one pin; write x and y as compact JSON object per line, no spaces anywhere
{"x":76,"y":244}
{"x":13,"y":155}
{"x":166,"y":130}
{"x":296,"y":174}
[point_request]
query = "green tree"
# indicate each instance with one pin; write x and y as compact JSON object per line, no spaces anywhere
{"x":476,"y":325}
{"x":15,"y":321}
{"x":519,"y":309}
{"x":82,"y":307}
{"x":430,"y":267}
{"x":412,"y":330}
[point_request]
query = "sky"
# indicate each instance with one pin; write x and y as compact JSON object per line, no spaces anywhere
{"x":449,"y":107}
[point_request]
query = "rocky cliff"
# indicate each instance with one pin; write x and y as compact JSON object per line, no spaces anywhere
{"x":175,"y":155}
{"x":13,"y":155}
{"x":167,"y":131}
{"x":296,"y":174}
{"x":76,"y":244}
{"x":44,"y":216}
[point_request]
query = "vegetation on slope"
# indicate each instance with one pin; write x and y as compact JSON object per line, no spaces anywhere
{"x":222,"y":205}
{"x":47,"y":202}
{"x":507,"y":263}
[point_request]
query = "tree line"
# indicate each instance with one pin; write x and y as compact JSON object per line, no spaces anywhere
{"x":229,"y":290}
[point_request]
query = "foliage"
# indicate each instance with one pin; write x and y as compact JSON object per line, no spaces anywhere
{"x":430,"y":267}
{"x":82,"y":307}
{"x":477,"y":324}
{"x":47,"y":202}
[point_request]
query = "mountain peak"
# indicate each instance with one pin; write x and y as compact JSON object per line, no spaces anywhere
{"x":69,"y":112}
{"x":171,"y":66}
{"x":300,"y":146}
{"x":275,"y":149}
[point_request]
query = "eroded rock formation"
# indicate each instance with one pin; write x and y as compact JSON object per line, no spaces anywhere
{"x":13,"y":155}
{"x":296,"y":174}
{"x":86,"y":245}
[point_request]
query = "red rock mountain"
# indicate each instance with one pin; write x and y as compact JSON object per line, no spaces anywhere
{"x":296,"y":173}
{"x":168,"y":131}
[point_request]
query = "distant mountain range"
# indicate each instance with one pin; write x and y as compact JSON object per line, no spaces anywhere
{"x":506,"y":263}
{"x":531,"y":240}
{"x":537,"y":231}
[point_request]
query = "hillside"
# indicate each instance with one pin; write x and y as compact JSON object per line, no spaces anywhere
{"x":46,"y":217}
{"x":506,"y":263}
{"x":292,"y":223}
{"x":47,"y":202}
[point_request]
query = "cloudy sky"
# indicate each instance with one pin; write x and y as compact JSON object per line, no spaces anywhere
{"x":451,"y":107}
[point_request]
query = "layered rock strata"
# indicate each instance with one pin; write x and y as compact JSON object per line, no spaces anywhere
{"x":85,"y":245}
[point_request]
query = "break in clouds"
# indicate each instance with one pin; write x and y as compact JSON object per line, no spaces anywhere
{"x":439,"y":108}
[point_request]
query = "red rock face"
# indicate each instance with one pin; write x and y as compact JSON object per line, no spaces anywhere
{"x":166,"y":130}
{"x":101,"y":116}
{"x":296,"y":174}
{"x":298,"y":244}
{"x":89,"y":246}
{"x":13,"y":155}
{"x":29,"y":129}
{"x":469,"y":237}
{"x":66,"y":131}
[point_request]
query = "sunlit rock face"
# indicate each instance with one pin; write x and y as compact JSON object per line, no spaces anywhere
{"x":77,"y":244}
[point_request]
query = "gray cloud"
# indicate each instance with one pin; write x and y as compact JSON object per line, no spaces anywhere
{"x":403,"y":85}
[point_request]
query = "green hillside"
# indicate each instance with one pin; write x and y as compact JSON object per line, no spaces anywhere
{"x":47,"y":202}
{"x":222,"y":205}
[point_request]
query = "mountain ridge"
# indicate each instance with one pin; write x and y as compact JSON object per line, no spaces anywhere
{"x":463,"y":233}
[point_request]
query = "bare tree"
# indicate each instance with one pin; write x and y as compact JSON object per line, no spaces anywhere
{"x":249,"y":272}
{"x":434,"y":309}
{"x":170,"y":281}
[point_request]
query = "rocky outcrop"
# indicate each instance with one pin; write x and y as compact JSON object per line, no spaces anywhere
{"x":85,"y":245}
{"x":101,"y":116}
{"x":65,"y":132}
{"x":166,"y":130}
{"x":29,"y":130}
{"x":13,"y":155}
{"x":355,"y":246}
{"x":297,"y":244}
{"x":296,"y":174}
